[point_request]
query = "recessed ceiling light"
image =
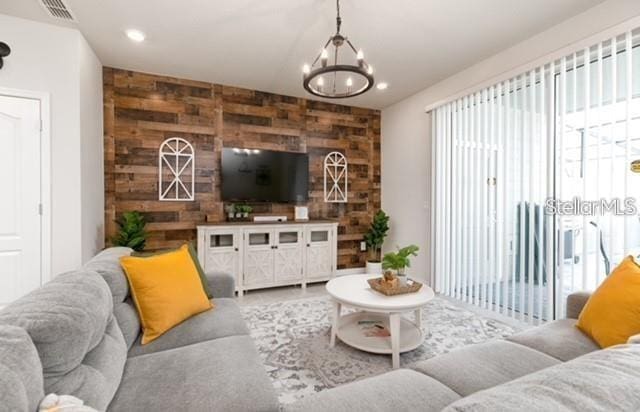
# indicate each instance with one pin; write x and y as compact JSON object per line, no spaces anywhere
{"x":382,"y":86}
{"x":135,"y":35}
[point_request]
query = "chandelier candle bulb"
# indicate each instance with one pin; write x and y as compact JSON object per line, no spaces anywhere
{"x":360,"y":58}
{"x":349,"y":82}
{"x":306,"y":69}
{"x":324,"y":57}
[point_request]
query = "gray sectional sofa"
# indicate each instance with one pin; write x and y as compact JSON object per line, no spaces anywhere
{"x":80,"y":335}
{"x":553,"y":367}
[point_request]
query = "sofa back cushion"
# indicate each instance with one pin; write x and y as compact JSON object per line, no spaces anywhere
{"x":107,"y":265}
{"x":21,"y":381}
{"x":80,"y":345}
{"x":605,"y":380}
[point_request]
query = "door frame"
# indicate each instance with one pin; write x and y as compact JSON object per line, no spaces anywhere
{"x":44,"y":99}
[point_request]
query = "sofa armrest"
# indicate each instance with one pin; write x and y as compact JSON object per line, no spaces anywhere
{"x":575,"y":303}
{"x":221,"y":284}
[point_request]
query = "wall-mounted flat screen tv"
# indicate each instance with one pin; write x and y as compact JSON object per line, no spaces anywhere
{"x":264,"y":176}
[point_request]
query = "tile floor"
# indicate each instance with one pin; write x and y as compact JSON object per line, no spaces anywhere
{"x":272,"y":295}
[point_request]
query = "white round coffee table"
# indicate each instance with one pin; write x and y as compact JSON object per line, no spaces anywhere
{"x":374,"y":307}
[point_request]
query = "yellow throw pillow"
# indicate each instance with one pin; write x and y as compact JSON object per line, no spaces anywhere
{"x":612,"y":313}
{"x":166,"y":290}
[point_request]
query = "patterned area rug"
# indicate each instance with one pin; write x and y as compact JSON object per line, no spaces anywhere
{"x":292,"y":338}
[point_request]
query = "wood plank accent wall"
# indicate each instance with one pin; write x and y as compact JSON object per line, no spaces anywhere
{"x":142,"y":110}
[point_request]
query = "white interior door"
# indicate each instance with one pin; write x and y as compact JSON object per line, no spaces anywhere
{"x":20,"y":219}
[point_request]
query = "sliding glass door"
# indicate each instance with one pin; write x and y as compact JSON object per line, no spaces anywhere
{"x":514,"y":167}
{"x":598,"y":139}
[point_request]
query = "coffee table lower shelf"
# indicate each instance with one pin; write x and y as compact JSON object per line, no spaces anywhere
{"x":351,"y":333}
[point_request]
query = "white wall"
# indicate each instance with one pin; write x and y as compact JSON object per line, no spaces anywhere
{"x":47,"y":58}
{"x":406,"y":128}
{"x":91,"y":151}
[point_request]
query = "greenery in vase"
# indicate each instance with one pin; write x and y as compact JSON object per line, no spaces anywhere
{"x":376,"y":234}
{"x":399,"y":260}
{"x":131,"y":233}
{"x":244,"y":209}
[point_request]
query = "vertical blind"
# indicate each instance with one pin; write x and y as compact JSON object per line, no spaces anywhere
{"x":565,"y":130}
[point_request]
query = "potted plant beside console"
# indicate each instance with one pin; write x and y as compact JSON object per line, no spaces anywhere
{"x":374,"y":239}
{"x":399,"y":261}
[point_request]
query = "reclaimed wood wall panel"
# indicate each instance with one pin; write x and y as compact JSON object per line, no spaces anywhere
{"x":142,"y":110}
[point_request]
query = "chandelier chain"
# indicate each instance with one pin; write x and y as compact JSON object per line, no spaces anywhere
{"x":338,"y":18}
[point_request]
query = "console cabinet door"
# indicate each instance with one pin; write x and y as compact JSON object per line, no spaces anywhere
{"x":221,"y":251}
{"x":319,"y":252}
{"x":288,"y":254}
{"x":258,"y":257}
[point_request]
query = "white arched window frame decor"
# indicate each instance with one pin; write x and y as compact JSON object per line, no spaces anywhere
{"x":335,"y":178}
{"x":176,"y":169}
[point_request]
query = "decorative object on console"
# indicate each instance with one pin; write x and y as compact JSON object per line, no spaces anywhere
{"x":335,"y":176}
{"x":301,"y":213}
{"x":5,"y":50}
{"x":343,"y":79}
{"x":131,"y":231}
{"x":269,"y":218}
{"x":399,"y":261}
{"x":176,"y":161}
{"x":374,"y":239}
{"x":238,"y":213}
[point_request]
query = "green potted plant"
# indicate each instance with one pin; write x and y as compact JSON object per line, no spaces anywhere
{"x":131,"y":231}
{"x":374,"y":239}
{"x":245,"y":210}
{"x":399,"y":261}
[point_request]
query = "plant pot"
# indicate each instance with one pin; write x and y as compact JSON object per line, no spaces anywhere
{"x":238,"y":215}
{"x":245,"y":215}
{"x":230,"y":215}
{"x":374,"y":268}
{"x":402,"y":279}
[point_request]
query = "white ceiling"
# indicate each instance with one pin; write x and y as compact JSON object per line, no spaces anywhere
{"x":262,"y":44}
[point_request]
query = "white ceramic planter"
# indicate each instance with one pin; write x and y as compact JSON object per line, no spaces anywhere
{"x":374,"y":268}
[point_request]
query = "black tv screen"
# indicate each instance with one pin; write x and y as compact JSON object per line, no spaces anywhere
{"x":264,"y":176}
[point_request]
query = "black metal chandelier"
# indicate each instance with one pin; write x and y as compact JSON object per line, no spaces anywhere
{"x":334,"y":80}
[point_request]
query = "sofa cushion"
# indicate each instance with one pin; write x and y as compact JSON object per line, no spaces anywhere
{"x":219,"y":375}
{"x":127,"y":316}
{"x":21,"y":381}
{"x":400,"y":390}
{"x":107,"y":264}
{"x":166,"y":289}
{"x":612,"y":313}
{"x":225,"y":320}
{"x":96,"y":379}
{"x":560,"y":339}
{"x":79,"y":343}
{"x":477,"y":367}
{"x":605,"y":380}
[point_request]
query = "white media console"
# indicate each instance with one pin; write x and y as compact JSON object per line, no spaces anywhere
{"x":269,"y":254}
